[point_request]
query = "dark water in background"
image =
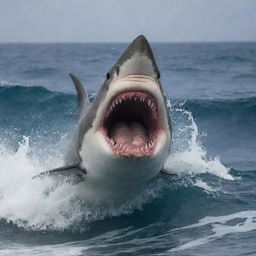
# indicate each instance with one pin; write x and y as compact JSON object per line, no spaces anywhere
{"x":208,"y":208}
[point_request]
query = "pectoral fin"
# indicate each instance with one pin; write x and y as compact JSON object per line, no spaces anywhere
{"x":73,"y":172}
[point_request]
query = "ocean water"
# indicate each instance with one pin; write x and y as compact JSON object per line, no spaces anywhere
{"x":207,"y":208}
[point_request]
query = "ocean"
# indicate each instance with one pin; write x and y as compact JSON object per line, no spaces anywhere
{"x":207,"y":208}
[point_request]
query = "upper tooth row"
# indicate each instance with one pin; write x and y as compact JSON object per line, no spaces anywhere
{"x":151,"y":104}
{"x":118,"y":101}
{"x":142,"y":99}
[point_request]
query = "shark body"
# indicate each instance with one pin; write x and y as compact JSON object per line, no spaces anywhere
{"x":123,"y":137}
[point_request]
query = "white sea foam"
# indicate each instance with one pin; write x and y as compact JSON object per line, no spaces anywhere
{"x":188,"y":155}
{"x":42,"y":204}
{"x":201,"y":184}
{"x":23,"y":199}
{"x":8,"y":83}
{"x":219,"y":228}
{"x":67,"y":249}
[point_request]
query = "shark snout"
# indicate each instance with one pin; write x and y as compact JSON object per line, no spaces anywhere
{"x":138,"y":59}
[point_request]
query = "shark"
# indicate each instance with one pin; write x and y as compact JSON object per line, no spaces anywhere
{"x":123,"y":136}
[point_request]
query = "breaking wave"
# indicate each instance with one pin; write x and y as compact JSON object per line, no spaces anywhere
{"x":39,"y":143}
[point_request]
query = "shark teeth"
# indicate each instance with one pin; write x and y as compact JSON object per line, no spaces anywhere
{"x":129,"y":149}
{"x":122,"y":108}
{"x":141,"y":97}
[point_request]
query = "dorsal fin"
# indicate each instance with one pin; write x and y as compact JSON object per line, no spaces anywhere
{"x":83,"y":98}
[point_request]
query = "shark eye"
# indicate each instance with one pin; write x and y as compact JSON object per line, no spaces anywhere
{"x":158,"y":75}
{"x":108,"y":76}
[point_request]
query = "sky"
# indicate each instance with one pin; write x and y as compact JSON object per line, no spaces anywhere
{"x":123,"y":20}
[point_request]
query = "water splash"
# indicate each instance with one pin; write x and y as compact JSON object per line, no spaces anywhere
{"x":45,"y":204}
{"x":188,"y":155}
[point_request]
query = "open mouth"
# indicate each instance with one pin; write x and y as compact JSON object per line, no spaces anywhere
{"x":131,"y":124}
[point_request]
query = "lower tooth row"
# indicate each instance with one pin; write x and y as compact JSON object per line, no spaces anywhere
{"x":124,"y":147}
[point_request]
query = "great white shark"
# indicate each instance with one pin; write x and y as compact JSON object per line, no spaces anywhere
{"x":123,"y":137}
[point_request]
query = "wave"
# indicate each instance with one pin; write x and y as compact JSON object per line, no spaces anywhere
{"x":245,"y":76}
{"x":220,"y":226}
{"x":30,"y":89}
{"x":198,"y":106}
{"x":233,"y":59}
{"x":11,"y":84}
{"x":187,"y":153}
{"x":47,"y":205}
{"x":39,"y":72}
{"x":221,"y":106}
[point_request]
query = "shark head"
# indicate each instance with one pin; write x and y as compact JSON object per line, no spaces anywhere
{"x":137,"y":59}
{"x":126,"y":132}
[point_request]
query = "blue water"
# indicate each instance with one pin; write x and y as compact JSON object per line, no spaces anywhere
{"x":207,"y":208}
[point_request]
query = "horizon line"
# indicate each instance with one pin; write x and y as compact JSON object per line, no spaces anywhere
{"x":125,"y":42}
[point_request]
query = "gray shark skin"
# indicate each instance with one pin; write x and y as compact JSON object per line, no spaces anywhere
{"x":123,"y":137}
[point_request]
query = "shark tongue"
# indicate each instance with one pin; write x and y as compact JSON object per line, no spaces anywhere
{"x":133,"y":134}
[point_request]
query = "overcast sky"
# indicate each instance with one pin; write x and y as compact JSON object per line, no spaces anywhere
{"x":122,"y":20}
